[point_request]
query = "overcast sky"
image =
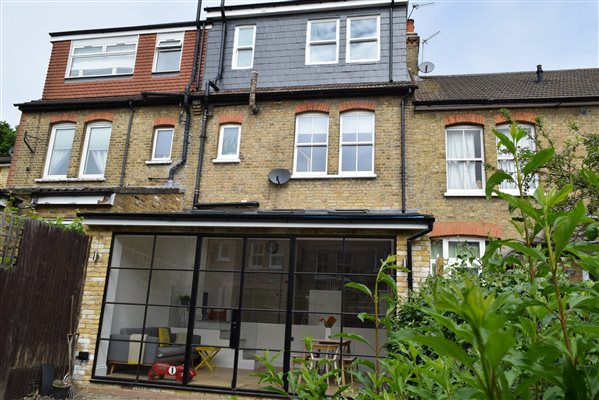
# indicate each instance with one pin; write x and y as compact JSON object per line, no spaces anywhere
{"x":476,"y":36}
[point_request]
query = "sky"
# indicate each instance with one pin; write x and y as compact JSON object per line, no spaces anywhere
{"x":475,"y":36}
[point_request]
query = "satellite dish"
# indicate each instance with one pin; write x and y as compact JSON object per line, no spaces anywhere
{"x":279,"y":176}
{"x":426,"y":67}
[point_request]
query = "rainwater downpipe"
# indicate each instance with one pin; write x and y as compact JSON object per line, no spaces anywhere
{"x":127,"y":140}
{"x":410,"y":263}
{"x":402,"y":106}
{"x":391,"y":40}
{"x":187,"y":104}
{"x":206,"y":105}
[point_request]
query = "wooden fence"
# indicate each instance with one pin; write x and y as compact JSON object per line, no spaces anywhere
{"x":35,"y":304}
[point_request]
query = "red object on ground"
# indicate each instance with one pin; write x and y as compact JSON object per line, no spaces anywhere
{"x":160,"y":370}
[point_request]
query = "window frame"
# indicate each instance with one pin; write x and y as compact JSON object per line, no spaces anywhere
{"x":465,"y":192}
{"x":104,"y":43}
{"x":236,"y":47}
{"x":357,"y":144}
{"x":84,"y":155}
{"x":170,"y":153}
{"x":310,"y":42}
{"x":170,"y":37}
{"x":508,"y":157}
{"x":51,"y":143}
{"x":311,"y":144}
{"x":376,"y":39}
{"x":227,"y":157}
{"x":482,"y":246}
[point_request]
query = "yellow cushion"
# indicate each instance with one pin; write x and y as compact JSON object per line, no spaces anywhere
{"x":164,"y":336}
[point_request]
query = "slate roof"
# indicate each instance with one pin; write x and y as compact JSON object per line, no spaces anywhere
{"x":509,"y":87}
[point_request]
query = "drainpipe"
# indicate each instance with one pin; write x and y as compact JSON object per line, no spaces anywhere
{"x":127,"y":140}
{"x":391,"y":40}
{"x":187,"y":104}
{"x":403,"y":151}
{"x":206,"y":105}
{"x":409,"y":251}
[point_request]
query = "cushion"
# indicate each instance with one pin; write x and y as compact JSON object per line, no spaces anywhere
{"x":164,"y":336}
{"x":181,"y":338}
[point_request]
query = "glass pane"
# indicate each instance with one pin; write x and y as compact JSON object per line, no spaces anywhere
{"x":304,"y":125}
{"x":323,"y":30}
{"x":102,"y":65}
{"x":363,"y":28}
{"x":88,"y":50}
{"x":230,"y":140}
{"x":364,"y":256}
{"x":364,"y":158}
{"x":319,"y":138}
{"x":122,"y":319}
{"x":303,"y":159}
{"x":217,"y":291}
{"x":455,"y":146}
{"x":97,"y":150}
{"x":127,"y":286}
{"x":321,"y":125}
{"x":171,"y":288}
{"x":365,"y":124}
{"x":301,"y":138}
{"x":323,"y":53}
{"x":264,"y":291}
{"x":120,"y":47}
{"x":479,"y":180}
{"x":348,"y":158}
{"x":267,"y":255}
{"x":464,"y":249}
{"x":473,"y":144}
{"x":168,"y":60}
{"x":436,"y":249}
{"x":99,"y":138}
{"x":132,"y":251}
{"x":245,"y":37}
{"x":221,"y":254}
{"x":319,"y":156}
{"x":244,"y":58}
{"x":164,"y":139}
{"x":350,"y":127}
{"x":364,"y":51}
{"x":61,"y":151}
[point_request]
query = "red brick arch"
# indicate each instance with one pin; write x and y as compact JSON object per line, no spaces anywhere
{"x":518,"y":116}
{"x":357,"y":105}
{"x":458,"y":119}
{"x":312,"y":107}
{"x":99,"y":116}
{"x":64,"y":117}
{"x":230,"y":119}
{"x":163,"y":121}
{"x":466,"y":228}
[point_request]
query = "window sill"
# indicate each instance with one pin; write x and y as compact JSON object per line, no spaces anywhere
{"x":159,"y":162}
{"x":515,"y":192}
{"x":470,"y":193}
{"x":42,"y":180}
{"x":95,"y":78}
{"x":225,"y":161}
{"x":165,"y":73}
{"x":370,"y":176}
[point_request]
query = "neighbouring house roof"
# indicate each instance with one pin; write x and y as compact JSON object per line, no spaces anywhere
{"x":169,"y":25}
{"x":284,"y":218}
{"x":571,"y":85}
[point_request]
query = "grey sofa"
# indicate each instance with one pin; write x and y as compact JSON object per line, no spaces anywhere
{"x":118,"y":349}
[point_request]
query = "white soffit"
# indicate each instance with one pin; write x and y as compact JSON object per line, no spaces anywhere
{"x":246,"y":224}
{"x":95,"y":199}
{"x":281,"y":8}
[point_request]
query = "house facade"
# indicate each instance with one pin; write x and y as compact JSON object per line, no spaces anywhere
{"x":234,"y":174}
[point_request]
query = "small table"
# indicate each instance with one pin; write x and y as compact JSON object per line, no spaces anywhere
{"x":343,"y":346}
{"x":207,"y":354}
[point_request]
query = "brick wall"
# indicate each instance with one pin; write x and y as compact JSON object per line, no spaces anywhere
{"x":3,"y":176}
{"x":426,"y":174}
{"x":57,"y":87}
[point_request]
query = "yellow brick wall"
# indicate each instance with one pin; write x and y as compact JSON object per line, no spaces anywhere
{"x":426,"y":173}
{"x":3,"y":176}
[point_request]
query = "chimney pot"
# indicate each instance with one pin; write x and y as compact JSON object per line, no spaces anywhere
{"x":410,"y":26}
{"x":539,"y":73}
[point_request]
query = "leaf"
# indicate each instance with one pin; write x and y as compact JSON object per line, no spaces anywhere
{"x":351,"y":336}
{"x":565,"y":227}
{"x":444,"y":347}
{"x":560,"y":195}
{"x":361,"y":287}
{"x":529,"y":251}
{"x":388,"y":280}
{"x":575,"y":382}
{"x":538,"y":160}
{"x":495,"y":179}
{"x":505,"y":142}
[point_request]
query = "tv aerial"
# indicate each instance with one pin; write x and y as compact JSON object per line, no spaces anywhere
{"x":426,"y":66}
{"x":416,"y":6}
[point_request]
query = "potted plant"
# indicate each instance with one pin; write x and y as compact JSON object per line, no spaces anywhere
{"x":328,"y":324}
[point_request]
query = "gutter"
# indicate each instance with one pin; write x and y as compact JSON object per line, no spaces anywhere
{"x":410,"y":262}
{"x":486,"y":104}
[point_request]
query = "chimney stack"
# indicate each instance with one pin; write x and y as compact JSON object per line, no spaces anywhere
{"x":539,"y":73}
{"x":412,"y":47}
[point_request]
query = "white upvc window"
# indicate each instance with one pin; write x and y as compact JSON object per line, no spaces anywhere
{"x":59,"y":151}
{"x":311,"y":142}
{"x":102,"y":57}
{"x":163,"y":143}
{"x":228,"y":143}
{"x":464,"y":156}
{"x":363,"y":43}
{"x":505,"y":160}
{"x":356,"y":148}
{"x":457,"y":252}
{"x":95,"y":150}
{"x":322,"y":42}
{"x":168,"y":52}
{"x":244,"y":45}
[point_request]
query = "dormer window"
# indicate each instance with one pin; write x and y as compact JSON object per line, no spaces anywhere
{"x":363,"y":39}
{"x":102,"y":57}
{"x":322,"y":42}
{"x":168,"y":52}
